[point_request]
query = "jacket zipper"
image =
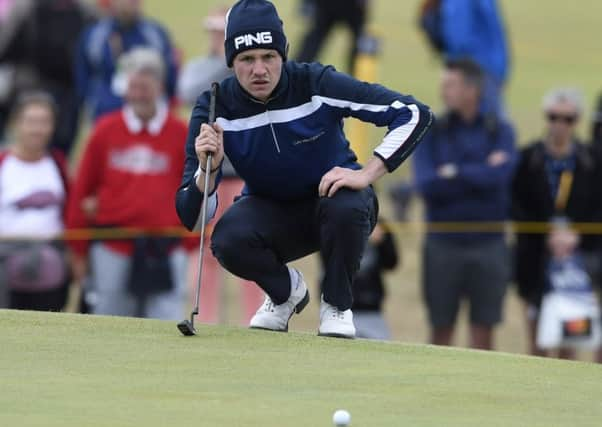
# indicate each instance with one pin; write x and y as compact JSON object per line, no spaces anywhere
{"x":273,"y":132}
{"x":267,"y":112}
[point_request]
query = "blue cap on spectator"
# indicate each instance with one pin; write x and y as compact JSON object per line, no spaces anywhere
{"x":253,"y":24}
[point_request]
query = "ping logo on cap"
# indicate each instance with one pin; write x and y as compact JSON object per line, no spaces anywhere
{"x":251,"y":39}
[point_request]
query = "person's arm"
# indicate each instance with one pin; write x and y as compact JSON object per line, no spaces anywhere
{"x":498,"y":170}
{"x":81,"y":67}
{"x":189,"y":196}
{"x":193,"y":81}
{"x":427,"y":177}
{"x":457,"y":27}
{"x":83,"y":189}
{"x":407,"y":121}
{"x":170,"y":56}
{"x":519,"y":208}
{"x":590,"y":242}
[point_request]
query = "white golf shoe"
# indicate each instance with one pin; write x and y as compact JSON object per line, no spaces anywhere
{"x":274,"y":317}
{"x":335,"y":323}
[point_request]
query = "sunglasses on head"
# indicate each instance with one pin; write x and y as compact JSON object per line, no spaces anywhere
{"x":566,"y":118}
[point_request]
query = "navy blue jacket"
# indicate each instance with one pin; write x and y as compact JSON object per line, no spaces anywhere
{"x":283,"y":147}
{"x":479,"y":192}
{"x":99,"y":49}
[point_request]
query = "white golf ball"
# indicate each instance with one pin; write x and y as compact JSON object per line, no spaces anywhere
{"x":341,"y":418}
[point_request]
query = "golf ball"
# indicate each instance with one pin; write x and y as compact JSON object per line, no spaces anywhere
{"x":341,"y":418}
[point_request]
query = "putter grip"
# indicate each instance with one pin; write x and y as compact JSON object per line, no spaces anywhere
{"x":212,"y":100}
{"x":214,"y":88}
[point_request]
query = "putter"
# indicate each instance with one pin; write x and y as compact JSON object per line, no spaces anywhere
{"x":186,"y":327}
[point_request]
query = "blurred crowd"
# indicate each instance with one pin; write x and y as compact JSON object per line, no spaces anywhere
{"x":107,"y":75}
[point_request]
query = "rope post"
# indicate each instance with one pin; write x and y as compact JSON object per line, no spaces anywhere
{"x":365,"y":70}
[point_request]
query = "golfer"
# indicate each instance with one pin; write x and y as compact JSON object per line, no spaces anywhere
{"x":281,"y":125}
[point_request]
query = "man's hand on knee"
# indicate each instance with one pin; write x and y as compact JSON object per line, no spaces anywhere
{"x":338,"y":177}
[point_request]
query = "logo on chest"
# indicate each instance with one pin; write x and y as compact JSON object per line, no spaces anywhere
{"x":310,"y":139}
{"x":139,"y":160}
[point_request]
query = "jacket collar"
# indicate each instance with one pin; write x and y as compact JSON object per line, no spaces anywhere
{"x":154,"y":126}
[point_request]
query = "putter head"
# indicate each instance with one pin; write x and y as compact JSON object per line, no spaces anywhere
{"x":187,"y":328}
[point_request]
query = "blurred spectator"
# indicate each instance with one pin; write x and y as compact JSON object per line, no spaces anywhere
{"x":569,"y":318}
{"x":40,"y":47}
{"x":597,"y":125}
{"x":196,"y":77}
{"x":104,"y":6}
{"x":307,"y":8}
{"x":557,"y":177}
{"x":128,"y":175}
{"x":471,"y":29}
{"x":198,"y":74}
{"x":401,"y":194}
{"x":99,"y":84}
{"x":463,"y":169}
{"x":369,"y":288}
{"x":328,"y":13}
{"x":33,"y":191}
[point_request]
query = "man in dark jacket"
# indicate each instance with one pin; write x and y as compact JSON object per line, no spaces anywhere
{"x":557,"y":178}
{"x":280,"y":124}
{"x":463,"y":170}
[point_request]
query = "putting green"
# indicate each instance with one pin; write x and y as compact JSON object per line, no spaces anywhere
{"x":73,"y":370}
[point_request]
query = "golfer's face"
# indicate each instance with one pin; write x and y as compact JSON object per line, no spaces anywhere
{"x":258,"y":71}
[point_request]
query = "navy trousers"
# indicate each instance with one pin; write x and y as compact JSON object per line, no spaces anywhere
{"x":256,"y":237}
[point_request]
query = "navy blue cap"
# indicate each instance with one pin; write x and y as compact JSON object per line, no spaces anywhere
{"x":253,"y":24}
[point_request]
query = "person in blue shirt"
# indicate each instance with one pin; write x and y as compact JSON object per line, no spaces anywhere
{"x":99,"y":84}
{"x":281,"y":125}
{"x":471,"y":29}
{"x":463,"y":169}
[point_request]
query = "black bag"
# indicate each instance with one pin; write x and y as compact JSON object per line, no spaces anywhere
{"x":151,"y":271}
{"x":33,"y":266}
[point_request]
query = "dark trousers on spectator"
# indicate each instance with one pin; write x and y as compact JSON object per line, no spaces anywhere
{"x":257,"y":237}
{"x":327,"y":14}
{"x":51,"y":300}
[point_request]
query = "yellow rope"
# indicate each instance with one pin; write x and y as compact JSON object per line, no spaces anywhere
{"x":397,"y":227}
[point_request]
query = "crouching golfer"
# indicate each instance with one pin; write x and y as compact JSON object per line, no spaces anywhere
{"x":280,"y":124}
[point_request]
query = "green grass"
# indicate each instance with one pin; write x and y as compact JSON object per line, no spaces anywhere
{"x":74,"y":370}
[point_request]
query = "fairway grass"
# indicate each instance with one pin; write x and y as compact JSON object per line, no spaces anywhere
{"x":74,"y":370}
